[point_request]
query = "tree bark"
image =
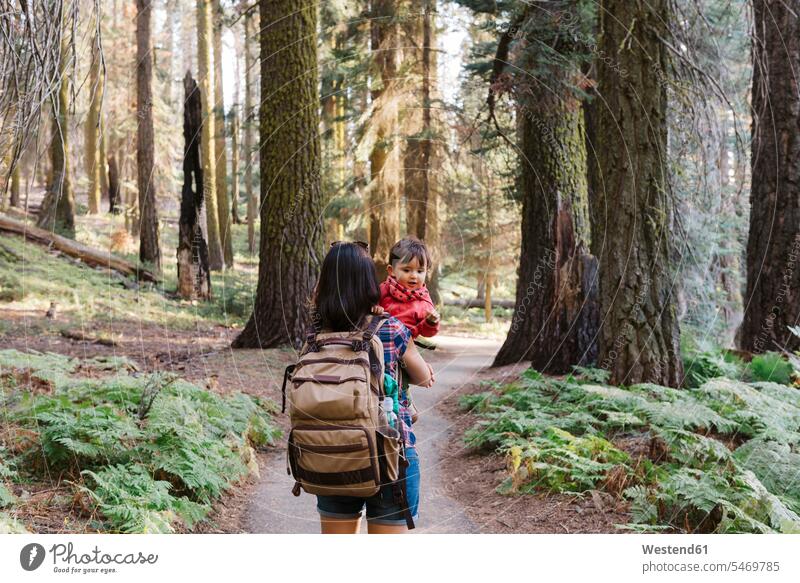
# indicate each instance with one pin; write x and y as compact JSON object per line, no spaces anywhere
{"x":384,"y":224}
{"x":290,"y":249}
{"x":555,"y":310}
{"x":194,"y":276}
{"x":220,"y":149}
{"x":113,"y":186}
{"x":58,"y":206}
{"x":92,"y":159}
{"x":250,"y":195}
{"x":772,"y":300}
{"x":420,"y":153}
{"x":149,"y":247}
{"x":206,"y":81}
{"x":639,"y":337}
{"x":555,"y":316}
{"x":234,"y":165}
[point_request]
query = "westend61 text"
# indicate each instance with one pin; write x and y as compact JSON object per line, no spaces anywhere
{"x":95,"y":556}
{"x":674,"y":550}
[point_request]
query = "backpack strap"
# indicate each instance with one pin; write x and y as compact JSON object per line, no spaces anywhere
{"x":366,"y":337}
{"x":286,"y":374}
{"x":374,"y":359}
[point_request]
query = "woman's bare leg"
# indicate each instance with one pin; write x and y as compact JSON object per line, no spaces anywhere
{"x":330,"y":525}
{"x":374,"y":528}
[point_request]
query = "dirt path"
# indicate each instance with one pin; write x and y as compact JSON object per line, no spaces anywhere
{"x":273,"y":509}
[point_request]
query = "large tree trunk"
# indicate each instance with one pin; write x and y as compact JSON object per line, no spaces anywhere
{"x":221,"y":151}
{"x":92,"y":159}
{"x":420,"y":154}
{"x":290,"y":250}
{"x":149,"y":248}
{"x":58,"y":206}
{"x":555,"y":317}
{"x":772,"y":302}
{"x":252,"y":202}
{"x":384,"y":223}
{"x":194,"y":277}
{"x":205,"y":37}
{"x":639,"y":338}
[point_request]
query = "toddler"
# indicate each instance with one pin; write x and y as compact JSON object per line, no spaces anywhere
{"x":404,"y":294}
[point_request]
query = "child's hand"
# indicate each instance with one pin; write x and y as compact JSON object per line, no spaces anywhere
{"x":433,"y":317}
{"x":377,"y":310}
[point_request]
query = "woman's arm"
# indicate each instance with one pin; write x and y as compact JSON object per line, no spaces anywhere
{"x":419,"y":372}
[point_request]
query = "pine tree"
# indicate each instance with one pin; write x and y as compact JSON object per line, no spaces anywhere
{"x":206,"y":82}
{"x":92,"y":160}
{"x":554,"y":322}
{"x":58,"y":206}
{"x":772,"y":301}
{"x":220,"y":148}
{"x":639,"y":337}
{"x":149,"y":247}
{"x":290,"y":249}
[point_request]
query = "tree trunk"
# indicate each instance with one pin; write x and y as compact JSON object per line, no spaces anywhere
{"x":772,"y":301}
{"x":194,"y":276}
{"x":384,"y":224}
{"x":149,"y":248}
{"x":290,"y":249}
{"x":14,"y":194}
{"x":58,"y":206}
{"x":114,"y":193}
{"x":92,"y":159}
{"x":639,"y":337}
{"x":420,"y":154}
{"x":234,"y":165}
{"x":220,"y":149}
{"x":555,"y":315}
{"x":204,"y":41}
{"x":104,"y":186}
{"x":252,"y":203}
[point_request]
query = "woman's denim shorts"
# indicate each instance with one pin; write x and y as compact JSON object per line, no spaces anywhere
{"x":381,"y":508}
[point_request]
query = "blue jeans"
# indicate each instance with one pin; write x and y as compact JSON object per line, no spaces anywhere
{"x":381,"y":508}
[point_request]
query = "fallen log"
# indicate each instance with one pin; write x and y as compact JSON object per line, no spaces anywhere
{"x":81,"y":337}
{"x":90,"y":256}
{"x":475,"y":303}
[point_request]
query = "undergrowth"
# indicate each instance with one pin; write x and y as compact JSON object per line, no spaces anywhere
{"x":723,"y":456}
{"x":142,"y":453}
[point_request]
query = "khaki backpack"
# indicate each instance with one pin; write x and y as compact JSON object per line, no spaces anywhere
{"x":340,"y":443}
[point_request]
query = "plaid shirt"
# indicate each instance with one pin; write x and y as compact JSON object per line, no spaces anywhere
{"x":395,"y":337}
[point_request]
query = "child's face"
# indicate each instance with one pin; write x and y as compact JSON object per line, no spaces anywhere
{"x":411,"y":274}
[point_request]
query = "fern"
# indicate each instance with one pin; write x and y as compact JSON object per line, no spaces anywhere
{"x":771,"y":367}
{"x":133,"y":501}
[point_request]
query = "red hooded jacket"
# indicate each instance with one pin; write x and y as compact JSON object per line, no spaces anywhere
{"x":410,"y":306}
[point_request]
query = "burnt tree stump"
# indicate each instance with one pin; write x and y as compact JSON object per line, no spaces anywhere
{"x":194,"y":276}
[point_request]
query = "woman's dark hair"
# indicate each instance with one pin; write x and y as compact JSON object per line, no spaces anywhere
{"x":347,"y":288}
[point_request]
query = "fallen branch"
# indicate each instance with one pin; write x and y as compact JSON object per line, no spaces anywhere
{"x":69,"y":247}
{"x":81,"y":337}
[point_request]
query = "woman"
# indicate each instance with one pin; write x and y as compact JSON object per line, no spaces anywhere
{"x":343,"y":299}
